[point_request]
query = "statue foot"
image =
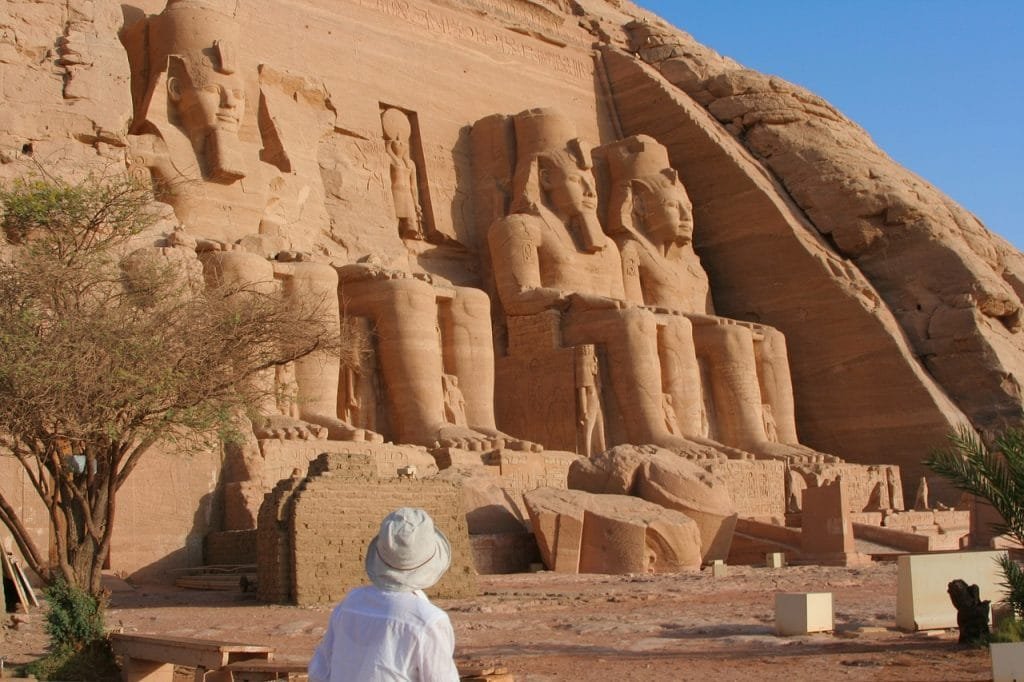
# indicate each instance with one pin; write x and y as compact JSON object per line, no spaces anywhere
{"x":287,"y":428}
{"x":696,"y":449}
{"x":793,"y":454}
{"x":728,"y":451}
{"x":338,"y":429}
{"x":467,"y":438}
{"x":511,"y":442}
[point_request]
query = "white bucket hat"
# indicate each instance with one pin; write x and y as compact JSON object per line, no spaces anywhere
{"x":409,"y":553}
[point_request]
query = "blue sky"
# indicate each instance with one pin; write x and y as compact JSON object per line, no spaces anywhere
{"x":937,"y":83}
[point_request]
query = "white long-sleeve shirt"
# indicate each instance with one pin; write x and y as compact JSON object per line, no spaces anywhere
{"x":379,"y":636}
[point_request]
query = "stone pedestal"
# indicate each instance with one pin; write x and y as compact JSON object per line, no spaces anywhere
{"x":803,"y":612}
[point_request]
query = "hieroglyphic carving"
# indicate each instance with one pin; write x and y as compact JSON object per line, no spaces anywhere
{"x":758,"y":488}
{"x":506,"y":43}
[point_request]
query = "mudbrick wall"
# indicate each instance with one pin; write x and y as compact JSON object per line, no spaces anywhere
{"x":317,"y":530}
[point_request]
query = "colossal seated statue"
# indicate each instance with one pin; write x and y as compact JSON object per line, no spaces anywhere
{"x":548,"y":254}
{"x":642,"y":300}
{"x":745,"y":393}
{"x":251,"y":210}
{"x":191,"y":132}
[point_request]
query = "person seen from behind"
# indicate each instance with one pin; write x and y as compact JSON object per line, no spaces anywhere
{"x":389,"y":631}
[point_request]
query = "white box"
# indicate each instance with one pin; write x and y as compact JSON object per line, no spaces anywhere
{"x":800,"y":613}
{"x":719,"y":569}
{"x":922,"y":602}
{"x":775,"y":560}
{"x":1007,"y":662}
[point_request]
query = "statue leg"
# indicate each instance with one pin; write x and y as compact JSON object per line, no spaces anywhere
{"x":776,"y":382}
{"x":736,"y":391}
{"x":318,"y":375}
{"x":404,"y":313}
{"x":469,"y":352}
{"x":728,"y":350}
{"x":680,"y":372}
{"x":468,"y":349}
{"x":629,"y":338}
{"x":256,"y":272}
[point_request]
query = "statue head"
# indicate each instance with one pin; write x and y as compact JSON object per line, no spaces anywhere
{"x":553,"y":170}
{"x":646,"y":194}
{"x":397,"y":130}
{"x":195,"y":43}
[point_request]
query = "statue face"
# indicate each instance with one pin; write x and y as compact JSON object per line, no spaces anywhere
{"x":665,"y":212}
{"x":569,"y":189}
{"x":216,"y":103}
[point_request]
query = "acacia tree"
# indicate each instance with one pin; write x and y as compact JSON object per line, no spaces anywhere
{"x":103,"y":357}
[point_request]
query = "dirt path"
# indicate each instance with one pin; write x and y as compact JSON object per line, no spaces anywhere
{"x":548,"y":626}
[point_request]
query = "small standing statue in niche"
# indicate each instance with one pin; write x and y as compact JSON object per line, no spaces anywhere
{"x":454,"y":401}
{"x":404,"y":185}
{"x":588,"y":389}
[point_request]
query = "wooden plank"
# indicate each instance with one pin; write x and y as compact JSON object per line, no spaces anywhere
{"x":8,"y":569}
{"x":187,"y":651}
{"x":256,"y":666}
{"x":223,"y":583}
{"x":24,"y":579}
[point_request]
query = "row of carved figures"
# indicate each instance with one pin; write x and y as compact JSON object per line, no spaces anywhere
{"x":599,"y":264}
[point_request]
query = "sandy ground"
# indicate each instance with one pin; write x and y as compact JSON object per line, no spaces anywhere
{"x":548,"y":626}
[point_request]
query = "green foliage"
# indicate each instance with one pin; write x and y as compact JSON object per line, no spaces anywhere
{"x":1008,"y":630}
{"x":995,"y":475}
{"x":94,"y":662}
{"x":109,"y":345}
{"x":75,"y":617}
{"x":79,"y":649}
{"x":1013,"y":581}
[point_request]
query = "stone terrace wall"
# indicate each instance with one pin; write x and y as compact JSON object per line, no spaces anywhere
{"x":274,"y":543}
{"x":314,"y":533}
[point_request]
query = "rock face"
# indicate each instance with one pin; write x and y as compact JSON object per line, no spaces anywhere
{"x":729,"y":269}
{"x":953,"y":287}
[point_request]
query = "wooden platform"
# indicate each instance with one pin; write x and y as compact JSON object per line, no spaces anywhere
{"x":151,"y":658}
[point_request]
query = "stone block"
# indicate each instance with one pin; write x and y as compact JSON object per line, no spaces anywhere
{"x":719,"y":569}
{"x":1007,"y":661}
{"x":922,"y":602}
{"x":775,"y":560}
{"x":581,"y":532}
{"x":800,"y":613}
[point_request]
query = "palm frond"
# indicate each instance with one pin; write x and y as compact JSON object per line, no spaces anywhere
{"x":1013,"y":581}
{"x":994,"y":476}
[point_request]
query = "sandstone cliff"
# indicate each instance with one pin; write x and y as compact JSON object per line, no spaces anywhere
{"x":900,"y":310}
{"x":953,"y":286}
